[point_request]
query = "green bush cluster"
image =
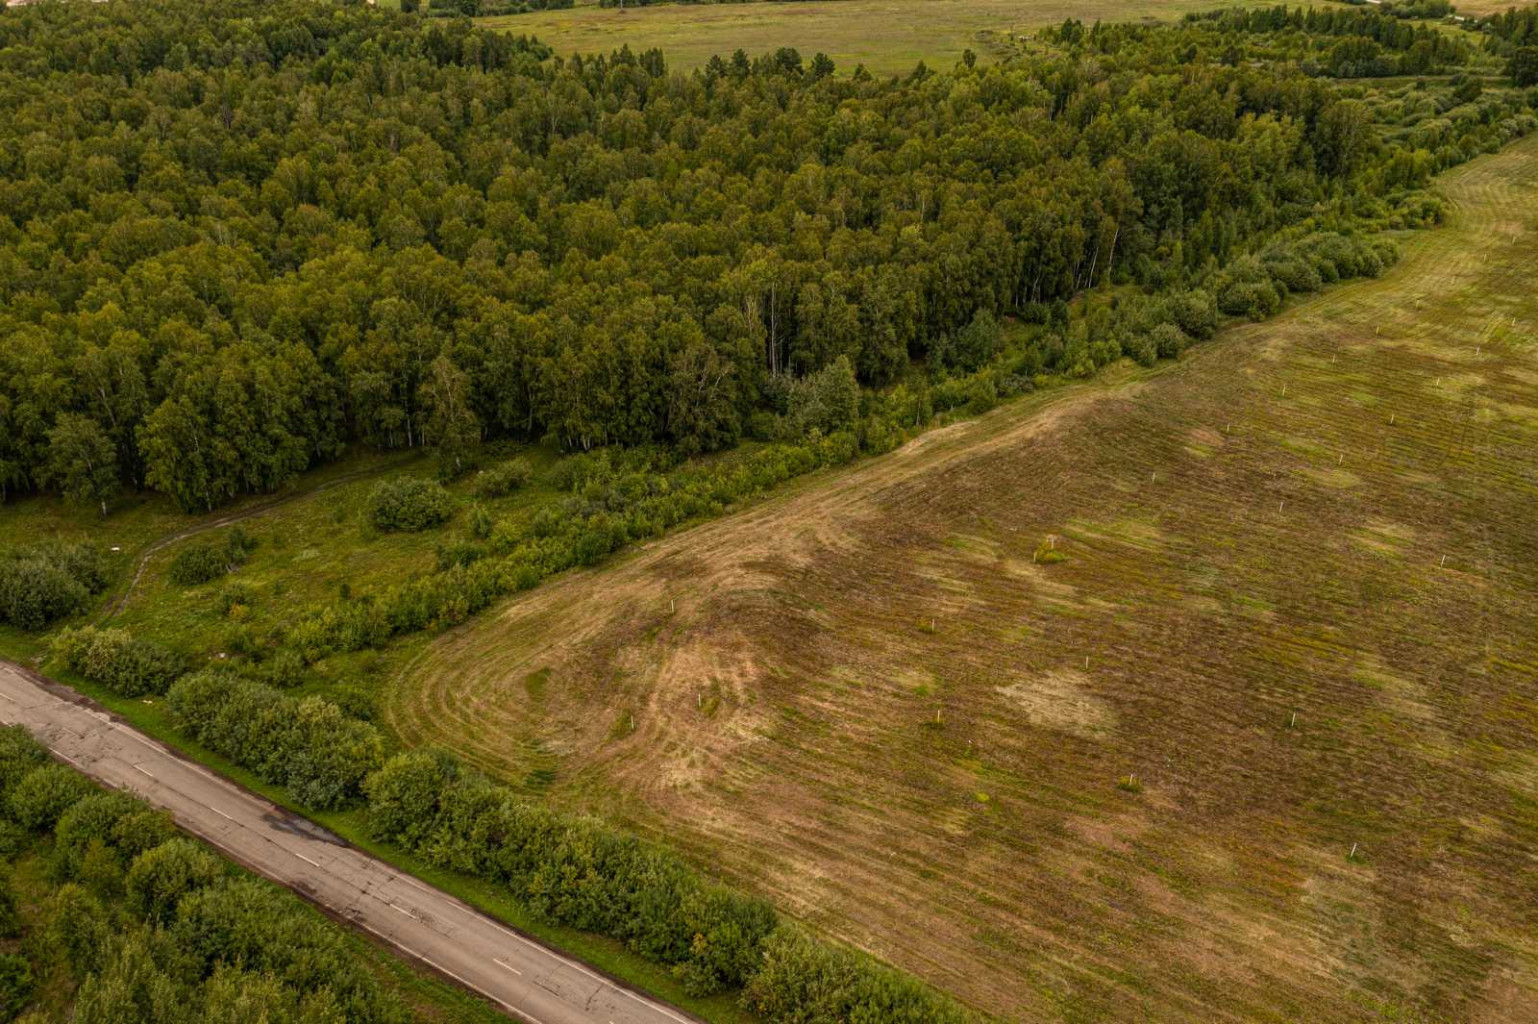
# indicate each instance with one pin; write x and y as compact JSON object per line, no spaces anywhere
{"x":803,"y":980}
{"x":45,"y":582}
{"x":305,"y":744}
{"x":503,"y":479}
{"x":1256,"y":286}
{"x":115,"y":659}
{"x":203,"y":562}
{"x":408,"y":504}
{"x":576,"y":872}
{"x":154,"y":926}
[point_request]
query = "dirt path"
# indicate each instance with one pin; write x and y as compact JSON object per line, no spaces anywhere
{"x":1294,"y":619}
{"x":115,"y":606}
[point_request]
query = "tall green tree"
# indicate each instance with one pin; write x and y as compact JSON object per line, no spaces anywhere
{"x":82,"y":461}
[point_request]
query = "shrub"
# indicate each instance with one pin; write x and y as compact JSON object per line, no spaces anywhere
{"x":408,"y":504}
{"x":91,"y":819}
{"x":160,"y":878}
{"x":45,"y":793}
{"x":267,"y":931}
{"x":1195,"y":312}
{"x":1254,"y":299}
{"x":204,"y":562}
{"x":1168,"y":341}
{"x":805,"y":981}
{"x":503,"y":479}
{"x":116,"y":660}
{"x":46,"y":582}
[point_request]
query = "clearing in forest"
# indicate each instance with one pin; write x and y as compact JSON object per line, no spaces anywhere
{"x":1205,"y":693}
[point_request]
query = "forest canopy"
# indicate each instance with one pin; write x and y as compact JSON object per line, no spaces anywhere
{"x":238,"y":236}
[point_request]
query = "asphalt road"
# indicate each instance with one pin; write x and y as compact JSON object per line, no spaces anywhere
{"x":529,"y":981}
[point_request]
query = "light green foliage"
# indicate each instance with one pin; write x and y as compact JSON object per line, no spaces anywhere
{"x":160,"y":878}
{"x":45,"y":793}
{"x":119,"y":661}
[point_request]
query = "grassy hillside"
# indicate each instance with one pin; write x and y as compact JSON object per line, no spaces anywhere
{"x":887,"y":36}
{"x":1205,"y":693}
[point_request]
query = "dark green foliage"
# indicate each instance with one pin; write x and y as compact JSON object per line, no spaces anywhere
{"x":503,"y":479}
{"x":304,"y":744}
{"x":264,"y":930}
{"x":10,"y":915}
{"x":46,"y":582}
{"x":79,"y":926}
{"x":1523,"y":67}
{"x":115,"y":659}
{"x":16,"y":985}
{"x":95,"y":819}
{"x":183,"y":939}
{"x":200,"y":563}
{"x":45,"y":793}
{"x":607,"y":253}
{"x":408,"y":504}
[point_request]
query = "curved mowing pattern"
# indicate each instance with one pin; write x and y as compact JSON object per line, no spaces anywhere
{"x":1076,"y":788}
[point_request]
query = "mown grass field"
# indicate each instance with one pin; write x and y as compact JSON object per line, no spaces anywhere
{"x":887,"y":36}
{"x":1197,"y":694}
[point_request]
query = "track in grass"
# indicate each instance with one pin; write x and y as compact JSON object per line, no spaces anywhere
{"x":1294,"y":617}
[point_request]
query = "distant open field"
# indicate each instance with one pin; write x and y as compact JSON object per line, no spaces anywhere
{"x":1208,"y":693}
{"x":887,"y":36}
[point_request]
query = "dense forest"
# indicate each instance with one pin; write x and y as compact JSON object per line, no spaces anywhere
{"x":238,"y":236}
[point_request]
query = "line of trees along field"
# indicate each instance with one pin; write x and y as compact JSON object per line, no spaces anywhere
{"x":235,"y":236}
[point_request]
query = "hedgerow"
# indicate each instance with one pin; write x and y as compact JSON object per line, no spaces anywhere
{"x":305,"y":744}
{"x":577,"y":872}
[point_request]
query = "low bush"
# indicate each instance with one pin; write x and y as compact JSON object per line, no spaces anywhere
{"x":113,"y":658}
{"x":803,"y":980}
{"x":203,"y":562}
{"x":43,"y":583}
{"x":503,"y":479}
{"x":162,"y":877}
{"x":19,"y":754}
{"x":408,"y":504}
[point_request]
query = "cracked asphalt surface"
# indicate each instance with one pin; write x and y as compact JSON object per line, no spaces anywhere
{"x":526,"y":979}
